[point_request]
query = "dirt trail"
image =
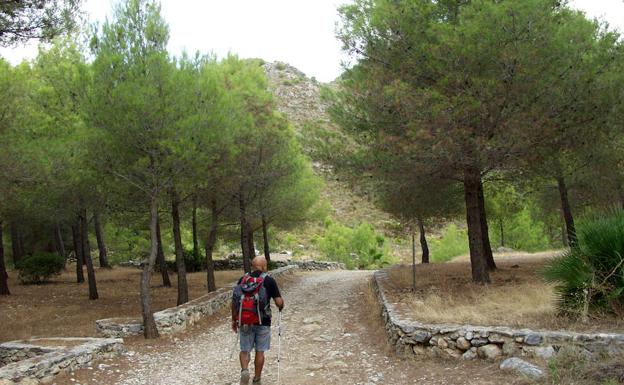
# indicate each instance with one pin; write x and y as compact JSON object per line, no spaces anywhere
{"x":331,"y":334}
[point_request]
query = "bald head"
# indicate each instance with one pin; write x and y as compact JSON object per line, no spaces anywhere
{"x":259,"y":263}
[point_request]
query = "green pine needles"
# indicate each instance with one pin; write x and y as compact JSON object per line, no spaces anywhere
{"x":589,"y":278}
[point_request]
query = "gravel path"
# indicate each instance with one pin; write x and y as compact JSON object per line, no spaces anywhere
{"x":331,"y":335}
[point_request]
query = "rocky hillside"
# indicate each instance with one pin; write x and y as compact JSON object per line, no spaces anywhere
{"x":298,"y":96}
{"x":299,"y":99}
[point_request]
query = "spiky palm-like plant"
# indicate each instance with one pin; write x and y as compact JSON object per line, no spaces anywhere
{"x":590,"y":276}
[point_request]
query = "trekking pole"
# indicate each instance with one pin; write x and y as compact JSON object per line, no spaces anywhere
{"x":279,"y":345}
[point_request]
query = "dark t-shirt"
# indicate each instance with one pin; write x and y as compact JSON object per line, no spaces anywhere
{"x":270,"y":285}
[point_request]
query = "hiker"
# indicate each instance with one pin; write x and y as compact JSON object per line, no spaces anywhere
{"x":251,"y":316}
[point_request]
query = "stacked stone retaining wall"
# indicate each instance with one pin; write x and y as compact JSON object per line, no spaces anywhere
{"x":178,"y":318}
{"x":488,"y":342}
{"x":33,"y":360}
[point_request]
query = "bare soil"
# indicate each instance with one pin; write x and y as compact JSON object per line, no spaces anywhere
{"x":331,"y":334}
{"x":517,"y":296}
{"x":62,"y":307}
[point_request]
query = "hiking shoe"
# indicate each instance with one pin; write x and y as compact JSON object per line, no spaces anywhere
{"x":244,"y":377}
{"x":257,"y":381}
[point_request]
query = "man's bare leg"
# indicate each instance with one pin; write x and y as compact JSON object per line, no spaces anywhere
{"x":244,"y":359}
{"x":244,"y":362}
{"x":258,"y":364}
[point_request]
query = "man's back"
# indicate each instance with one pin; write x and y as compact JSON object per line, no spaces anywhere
{"x":258,"y":335}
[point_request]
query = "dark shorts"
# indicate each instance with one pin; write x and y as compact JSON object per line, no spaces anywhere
{"x":257,"y":336}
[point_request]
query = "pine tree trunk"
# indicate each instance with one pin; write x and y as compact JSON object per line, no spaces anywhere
{"x":250,"y":239}
{"x":99,"y":235}
{"x":161,"y":257}
{"x":149,"y":324}
{"x":472,"y":180}
{"x":423,"y":241}
{"x":210,"y":243}
{"x":58,"y":240}
{"x":265,"y":237}
{"x":620,"y":190}
{"x":485,"y":233}
{"x":86,"y":253}
{"x":413,"y":260}
{"x":244,"y":235}
{"x":16,"y":248}
{"x":179,"y":251}
{"x":20,"y":244}
{"x":4,"y":276}
{"x":194,"y":229}
{"x":78,"y":252}
{"x":567,"y":212}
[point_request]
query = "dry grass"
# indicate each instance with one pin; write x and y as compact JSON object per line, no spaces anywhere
{"x":62,"y":307}
{"x":517,"y":296}
{"x":572,"y":367}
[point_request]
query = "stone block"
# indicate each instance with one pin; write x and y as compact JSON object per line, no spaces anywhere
{"x":545,"y":352}
{"x":510,"y":348}
{"x":478,"y":342}
{"x":533,"y":339}
{"x":470,"y":354}
{"x":421,"y":337}
{"x":496,"y":338}
{"x":463,"y":343}
{"x":490,"y":352}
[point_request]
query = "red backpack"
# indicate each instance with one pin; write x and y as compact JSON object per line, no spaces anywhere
{"x":251,"y":299}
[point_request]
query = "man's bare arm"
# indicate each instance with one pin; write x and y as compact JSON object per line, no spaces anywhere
{"x":279,"y":302}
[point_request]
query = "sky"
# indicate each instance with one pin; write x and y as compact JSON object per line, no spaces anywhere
{"x":298,"y":32}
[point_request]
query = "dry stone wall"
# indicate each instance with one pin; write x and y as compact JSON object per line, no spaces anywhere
{"x":178,"y":318}
{"x":38,"y":360}
{"x":470,"y":342}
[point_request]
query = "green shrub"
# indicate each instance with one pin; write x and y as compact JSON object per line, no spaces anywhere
{"x":452,"y":243}
{"x":590,"y":276}
{"x":192,"y":262}
{"x":521,"y":232}
{"x":360,"y":247}
{"x":38,"y":268}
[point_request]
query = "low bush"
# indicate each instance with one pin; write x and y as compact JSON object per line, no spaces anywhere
{"x":452,"y":243}
{"x":521,"y":232}
{"x":192,"y":262}
{"x":358,"y":248}
{"x":38,"y":268}
{"x":589,"y":278}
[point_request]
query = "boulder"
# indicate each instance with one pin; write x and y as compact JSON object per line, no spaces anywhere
{"x":463,"y":344}
{"x":545,"y":353}
{"x":470,"y":354}
{"x":490,"y":352}
{"x":516,"y":364}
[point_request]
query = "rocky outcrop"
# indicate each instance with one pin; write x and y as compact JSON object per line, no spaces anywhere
{"x":299,"y":97}
{"x":40,"y":359}
{"x":486,"y":342}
